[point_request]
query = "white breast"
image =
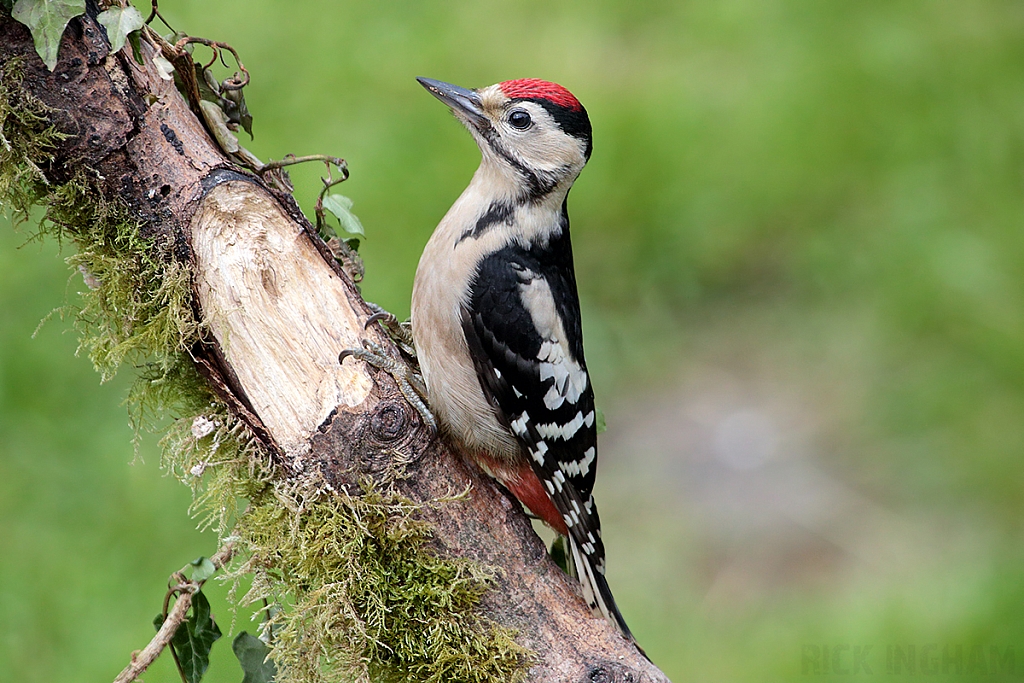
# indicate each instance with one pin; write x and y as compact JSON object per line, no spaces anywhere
{"x":440,"y":291}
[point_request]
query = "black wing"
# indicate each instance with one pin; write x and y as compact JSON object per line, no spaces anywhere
{"x":538,"y":384}
{"x":522,"y":325}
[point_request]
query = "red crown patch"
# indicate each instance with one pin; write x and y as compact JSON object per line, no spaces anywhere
{"x":536,"y":89}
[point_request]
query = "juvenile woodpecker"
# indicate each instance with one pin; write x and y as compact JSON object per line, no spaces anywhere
{"x":496,"y":315}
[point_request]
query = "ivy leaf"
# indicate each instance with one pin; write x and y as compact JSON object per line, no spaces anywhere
{"x":194,"y":639}
{"x":557,"y":554}
{"x":252,"y":655}
{"x":134,"y":38}
{"x":217,"y":122}
{"x":237,"y":110}
{"x":341,"y":207}
{"x":119,"y":22}
{"x":202,"y":569}
{"x":47,"y":19}
{"x":164,"y":67}
{"x":209,"y":88}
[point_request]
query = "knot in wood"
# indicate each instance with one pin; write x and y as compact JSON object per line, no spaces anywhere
{"x":389,"y":422}
{"x":611,"y":673}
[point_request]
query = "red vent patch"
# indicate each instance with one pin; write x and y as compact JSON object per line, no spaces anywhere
{"x":536,"y":89}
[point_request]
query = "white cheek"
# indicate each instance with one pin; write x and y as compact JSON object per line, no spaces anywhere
{"x":548,"y":150}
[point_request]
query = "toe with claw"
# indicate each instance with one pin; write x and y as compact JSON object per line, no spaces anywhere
{"x":410,"y":383}
{"x":400,"y":333}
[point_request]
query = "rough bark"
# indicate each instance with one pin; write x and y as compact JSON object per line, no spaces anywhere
{"x":280,"y":310}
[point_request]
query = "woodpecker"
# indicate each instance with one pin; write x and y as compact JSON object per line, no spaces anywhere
{"x":496,"y":315}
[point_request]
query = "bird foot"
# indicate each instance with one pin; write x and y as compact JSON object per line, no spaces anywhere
{"x":410,"y":383}
{"x":400,"y":333}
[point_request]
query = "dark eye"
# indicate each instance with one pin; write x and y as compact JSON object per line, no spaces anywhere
{"x":519,"y":119}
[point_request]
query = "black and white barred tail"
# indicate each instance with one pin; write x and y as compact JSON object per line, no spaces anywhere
{"x":595,"y":588}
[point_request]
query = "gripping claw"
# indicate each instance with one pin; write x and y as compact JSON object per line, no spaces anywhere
{"x":400,"y":333}
{"x":410,"y":383}
{"x":380,"y":316}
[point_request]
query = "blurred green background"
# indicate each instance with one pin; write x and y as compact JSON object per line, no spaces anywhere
{"x":799,"y":247}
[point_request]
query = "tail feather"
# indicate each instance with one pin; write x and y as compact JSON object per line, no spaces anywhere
{"x":596,"y":591}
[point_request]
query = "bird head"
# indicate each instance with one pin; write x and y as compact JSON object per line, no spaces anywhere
{"x":534,"y":134}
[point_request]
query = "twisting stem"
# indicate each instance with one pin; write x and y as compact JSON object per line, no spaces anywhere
{"x":141,"y":661}
{"x":155,"y":14}
{"x":185,"y":592}
{"x":173,"y":618}
{"x":236,"y":82}
{"x":291,"y":160}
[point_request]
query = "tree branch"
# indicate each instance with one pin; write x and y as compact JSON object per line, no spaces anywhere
{"x":172,"y":619}
{"x":141,"y":661}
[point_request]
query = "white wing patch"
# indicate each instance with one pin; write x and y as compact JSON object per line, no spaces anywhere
{"x":556,"y":360}
{"x":579,"y":467}
{"x":519,"y":424}
{"x":563,"y":432}
{"x":538,"y":454}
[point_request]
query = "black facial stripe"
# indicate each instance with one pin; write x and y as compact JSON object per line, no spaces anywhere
{"x":574,"y":122}
{"x":539,"y":184}
{"x":497,"y":212}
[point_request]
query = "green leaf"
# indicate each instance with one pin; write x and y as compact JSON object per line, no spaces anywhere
{"x":119,"y":22}
{"x":194,"y":639}
{"x":134,"y":38}
{"x":202,"y":569}
{"x":47,"y":19}
{"x":252,"y":655}
{"x":602,"y":426}
{"x":209,"y":88}
{"x":164,"y":67}
{"x":341,"y":206}
{"x":558,"y":555}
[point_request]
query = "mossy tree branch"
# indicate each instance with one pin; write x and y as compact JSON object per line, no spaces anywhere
{"x":390,"y":556}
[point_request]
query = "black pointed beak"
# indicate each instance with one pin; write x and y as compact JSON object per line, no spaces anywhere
{"x":463,"y":102}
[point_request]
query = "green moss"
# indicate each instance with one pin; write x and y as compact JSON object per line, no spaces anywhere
{"x":137,"y":307}
{"x":369,"y":601}
{"x":358,"y":593}
{"x":26,"y":142}
{"x":206,"y":447}
{"x":140,"y":305}
{"x":361,"y":594}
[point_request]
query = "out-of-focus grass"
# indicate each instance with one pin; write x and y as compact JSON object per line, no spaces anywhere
{"x":822,"y":197}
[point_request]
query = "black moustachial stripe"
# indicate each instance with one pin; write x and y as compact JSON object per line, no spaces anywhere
{"x":498,"y":212}
{"x":538,"y":183}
